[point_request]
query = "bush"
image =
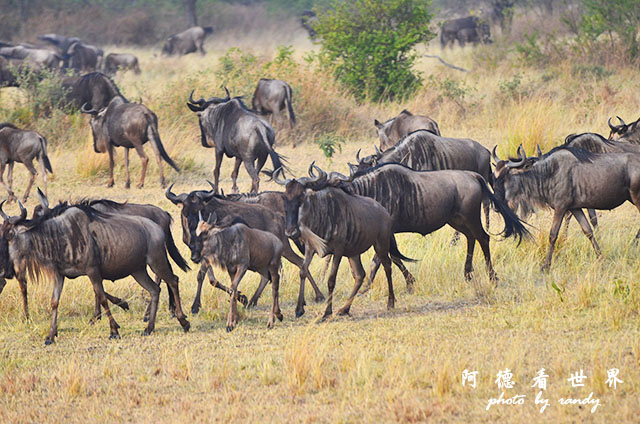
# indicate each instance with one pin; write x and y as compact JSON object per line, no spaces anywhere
{"x":369,"y":45}
{"x":43,"y":89}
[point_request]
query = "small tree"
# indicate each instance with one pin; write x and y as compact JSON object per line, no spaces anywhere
{"x":370,"y":45}
{"x":614,"y":19}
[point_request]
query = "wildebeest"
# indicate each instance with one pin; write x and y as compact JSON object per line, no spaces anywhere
{"x":129,"y":125}
{"x":237,"y":132}
{"x":7,"y":75}
{"x":61,"y":42}
{"x":36,"y":58}
{"x":423,"y":150}
{"x":83,"y":57}
{"x":69,"y":241}
{"x":188,"y":41}
{"x":22,"y":146}
{"x":120,"y":61}
{"x":238,"y":248}
{"x":330,"y":221}
{"x":395,"y":129}
{"x":95,"y":89}
{"x":470,"y":29}
{"x":569,"y":179}
{"x":629,"y":133}
{"x":272,"y":97}
{"x":255,"y":215}
{"x":424,"y":201}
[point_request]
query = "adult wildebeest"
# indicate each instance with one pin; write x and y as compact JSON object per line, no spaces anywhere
{"x":61,"y":42}
{"x":271,"y":98}
{"x":395,"y":129}
{"x":120,"y":61}
{"x":425,"y":201}
{"x":187,"y":41}
{"x":255,"y":215}
{"x":330,"y":221}
{"x":83,"y":57}
{"x":129,"y":125}
{"x":69,"y":241}
{"x":22,"y":146}
{"x":95,"y":89}
{"x":36,"y":58}
{"x":470,"y":29}
{"x":569,"y":179}
{"x":238,"y":248}
{"x":237,"y":132}
{"x":629,"y":133}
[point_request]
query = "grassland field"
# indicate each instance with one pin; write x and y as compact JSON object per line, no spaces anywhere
{"x":403,"y":365}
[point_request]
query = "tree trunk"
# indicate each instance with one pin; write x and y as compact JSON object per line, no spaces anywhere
{"x":190,"y":12}
{"x":24,"y":9}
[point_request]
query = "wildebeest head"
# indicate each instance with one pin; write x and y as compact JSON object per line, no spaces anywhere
{"x":484,"y":32}
{"x":191,"y":204}
{"x":624,"y":130}
{"x":505,"y":167}
{"x":7,"y":233}
{"x":367,"y":161}
{"x":383,"y":128}
{"x":200,"y":105}
{"x":169,"y":46}
{"x":98,"y":127}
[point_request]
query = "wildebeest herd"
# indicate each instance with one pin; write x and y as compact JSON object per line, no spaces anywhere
{"x":418,"y":181}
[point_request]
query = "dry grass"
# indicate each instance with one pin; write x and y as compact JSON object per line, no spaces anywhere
{"x":377,"y":366}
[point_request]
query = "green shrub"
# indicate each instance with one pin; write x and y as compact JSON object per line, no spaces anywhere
{"x":329,"y":144}
{"x":369,"y":45}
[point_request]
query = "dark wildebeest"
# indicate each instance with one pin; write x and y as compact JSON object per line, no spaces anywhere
{"x":629,"y":133}
{"x":237,"y":132}
{"x":188,"y":41}
{"x":423,"y":150}
{"x":129,"y":125}
{"x":95,"y":89}
{"x":36,"y":58}
{"x":395,"y":129}
{"x":238,"y":248}
{"x":61,"y":42}
{"x":69,"y":241}
{"x":271,"y":98}
{"x":22,"y":146}
{"x":569,"y":179}
{"x":83,"y":57}
{"x":255,"y":215}
{"x":120,"y":61}
{"x":469,"y":29}
{"x":330,"y":221}
{"x":425,"y":201}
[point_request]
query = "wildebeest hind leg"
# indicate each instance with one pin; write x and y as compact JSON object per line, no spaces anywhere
{"x":127,"y":183}
{"x":34,"y":173}
{"x":254,"y":299}
{"x":409,"y":278}
{"x":154,"y":291}
{"x":304,"y":271}
{"x":331,"y":284}
{"x":98,"y":289}
{"x":234,"y":174}
{"x":156,"y":153}
{"x":144,"y":159}
{"x":373,"y":270}
{"x":553,"y":236}
{"x":593,"y":217}
{"x":586,"y":229}
{"x":11,"y":196}
{"x":358,"y":275}
{"x":55,"y":301}
{"x":163,"y":270}
{"x":255,"y":179}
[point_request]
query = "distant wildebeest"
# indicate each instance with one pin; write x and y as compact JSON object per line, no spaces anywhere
{"x":69,"y":241}
{"x":95,"y":89}
{"x":61,"y":42}
{"x":255,"y":215}
{"x":237,"y":132}
{"x":425,"y":201}
{"x":629,"y":133}
{"x":330,"y":221}
{"x":238,"y":248}
{"x":83,"y":57}
{"x":121,"y":61}
{"x":395,"y":129}
{"x":308,"y":19}
{"x":569,"y":179}
{"x":423,"y":150}
{"x":36,"y":58}
{"x":470,"y":29}
{"x":7,"y":74}
{"x":271,"y":98}
{"x":129,"y":125}
{"x":22,"y":146}
{"x":188,"y":41}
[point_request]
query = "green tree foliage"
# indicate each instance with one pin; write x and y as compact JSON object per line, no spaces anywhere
{"x":612,"y":19}
{"x":369,"y":44}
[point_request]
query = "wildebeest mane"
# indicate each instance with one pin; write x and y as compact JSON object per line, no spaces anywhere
{"x":420,"y":152}
{"x":59,"y":209}
{"x":7,"y":125}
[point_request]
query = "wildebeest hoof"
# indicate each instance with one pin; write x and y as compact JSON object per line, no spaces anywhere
{"x":391,"y":304}
{"x":410,"y":288}
{"x":140,"y":185}
{"x":299,"y":313}
{"x":146,"y":332}
{"x":229,"y":328}
{"x":243,"y":299}
{"x":252,"y":304}
{"x":48,"y":341}
{"x":114,"y":336}
{"x":319,"y":298}
{"x":279,"y":316}
{"x":110,"y":184}
{"x":127,"y":185}
{"x":324,"y":318}
{"x":145,"y":319}
{"x":467,"y":275}
{"x":124,"y":305}
{"x":195,"y":309}
{"x":344,"y":313}
{"x":186,"y":326}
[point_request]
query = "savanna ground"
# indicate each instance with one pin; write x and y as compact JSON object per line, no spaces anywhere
{"x":403,"y":365}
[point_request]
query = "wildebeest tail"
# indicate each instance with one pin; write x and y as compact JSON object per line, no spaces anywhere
{"x":288,"y":99}
{"x":154,"y":137}
{"x":394,"y":252}
{"x":513,"y":226}
{"x":276,"y":159}
{"x":175,"y":254}
{"x":45,"y":158}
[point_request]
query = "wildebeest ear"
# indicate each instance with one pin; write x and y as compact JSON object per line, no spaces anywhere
{"x":43,"y":200}
{"x":212,"y":218}
{"x":377,"y":123}
{"x":195,"y":108}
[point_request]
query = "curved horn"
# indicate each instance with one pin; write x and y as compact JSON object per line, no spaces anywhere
{"x":175,"y":199}
{"x":43,"y":200}
{"x":495,"y":155}
{"x":614,"y":128}
{"x":228,"y":95}
{"x":352,"y":169}
{"x":279,"y":180}
{"x":378,"y":152}
{"x":83,"y":109}
{"x":539,"y":151}
{"x":358,"y":155}
{"x":200,"y":216}
{"x":23,"y":215}
{"x":621,"y":121}
{"x":335,"y":177}
{"x":523,"y":158}
{"x":213,"y":217}
{"x":2,"y":214}
{"x":213,"y":186}
{"x":310,"y":171}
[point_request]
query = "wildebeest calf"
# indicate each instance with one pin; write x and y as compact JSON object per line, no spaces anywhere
{"x":238,"y":248}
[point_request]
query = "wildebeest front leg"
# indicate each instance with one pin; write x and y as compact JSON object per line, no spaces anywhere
{"x":256,"y":295}
{"x":144,"y":159}
{"x":218,"y":285}
{"x":34,"y":174}
{"x":232,"y":318}
{"x":110,"y":150}
{"x":408,"y":277}
{"x":255,"y":179}
{"x":9,"y":192}
{"x":331,"y":284}
{"x":358,"y":275}
{"x":553,"y":236}
{"x":25,"y":300}
{"x":373,"y":270}
{"x":55,"y":301}
{"x":12,"y":196}
{"x":593,"y":217}
{"x":586,"y":229}
{"x":98,"y":289}
{"x":304,"y":271}
{"x":127,"y":184}
{"x":275,"y":285}
{"x":154,"y":291}
{"x":234,"y":174}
